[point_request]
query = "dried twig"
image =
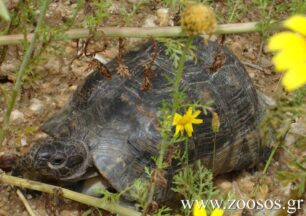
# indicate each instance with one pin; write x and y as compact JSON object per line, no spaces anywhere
{"x":134,"y":32}
{"x":122,"y":69}
{"x":81,"y":198}
{"x":148,"y":71}
{"x":25,"y":203}
{"x":249,"y":64}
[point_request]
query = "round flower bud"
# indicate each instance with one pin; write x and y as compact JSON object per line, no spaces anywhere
{"x":198,"y":19}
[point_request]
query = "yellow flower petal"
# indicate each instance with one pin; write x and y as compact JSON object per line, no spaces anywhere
{"x":296,"y":23}
{"x":295,"y":77}
{"x":184,"y":123}
{"x":179,"y":128}
{"x":288,"y":58}
{"x":217,"y":212}
{"x":196,"y":113}
{"x":189,"y":129}
{"x":189,"y":111}
{"x":198,"y":211}
{"x":197,"y":121}
{"x":286,"y":41}
{"x":176,"y":119}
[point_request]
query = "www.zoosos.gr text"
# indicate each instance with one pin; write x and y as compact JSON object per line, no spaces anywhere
{"x":292,"y":205}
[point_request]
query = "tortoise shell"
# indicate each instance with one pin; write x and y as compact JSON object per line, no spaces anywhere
{"x":116,"y":122}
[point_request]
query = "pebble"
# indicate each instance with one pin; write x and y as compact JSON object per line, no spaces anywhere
{"x":163,"y":17}
{"x":114,"y":8}
{"x":299,"y":127}
{"x":266,"y":63}
{"x":251,"y":74}
{"x":150,"y":21}
{"x":53,"y":65}
{"x":29,"y":196}
{"x":250,"y":55}
{"x":69,"y":213}
{"x":17,"y":116}
{"x":267,"y":72}
{"x":36,"y":106}
{"x":7,"y":68}
{"x":101,"y":58}
{"x":73,"y":88}
{"x":246,"y":185}
{"x":224,"y":185}
{"x":23,"y":142}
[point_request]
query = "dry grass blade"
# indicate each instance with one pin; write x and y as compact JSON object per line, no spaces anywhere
{"x":25,"y":203}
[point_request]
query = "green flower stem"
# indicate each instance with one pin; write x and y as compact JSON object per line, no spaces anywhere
{"x":23,"y":66}
{"x":179,"y":75}
{"x":164,"y":143}
{"x":78,"y":197}
{"x":144,"y":32}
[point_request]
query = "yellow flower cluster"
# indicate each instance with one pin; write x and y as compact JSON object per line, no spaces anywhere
{"x":198,"y":19}
{"x":290,"y":48}
{"x":184,"y":123}
{"x":197,"y":211}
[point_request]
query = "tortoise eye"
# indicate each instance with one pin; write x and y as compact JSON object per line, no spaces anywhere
{"x":58,"y":161}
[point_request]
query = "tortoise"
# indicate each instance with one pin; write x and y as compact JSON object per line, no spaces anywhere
{"x":108,"y":128}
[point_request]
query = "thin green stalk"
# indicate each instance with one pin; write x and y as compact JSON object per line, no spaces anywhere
{"x":178,"y":77}
{"x":214,"y":153}
{"x":78,"y":197}
{"x":23,"y":66}
{"x":233,"y":12}
{"x":164,"y":144}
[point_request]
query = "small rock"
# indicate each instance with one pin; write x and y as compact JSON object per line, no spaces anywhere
{"x":8,"y":68}
{"x":250,"y":55}
{"x":267,"y":72}
{"x":23,"y":142}
{"x":53,"y":65}
{"x":69,"y":50}
{"x":114,"y":8}
{"x":266,"y":63}
{"x":246,"y":185}
{"x":163,"y":18}
{"x":29,"y":196}
{"x":101,"y":58}
{"x":150,"y":21}
{"x":251,"y":74}
{"x":73,"y":88}
{"x":17,"y":116}
{"x":224,"y":185}
{"x":261,"y":82}
{"x":36,"y":106}
{"x":299,"y":127}
{"x":69,"y":213}
{"x":236,"y":48}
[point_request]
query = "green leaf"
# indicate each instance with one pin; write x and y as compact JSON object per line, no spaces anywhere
{"x":4,"y":12}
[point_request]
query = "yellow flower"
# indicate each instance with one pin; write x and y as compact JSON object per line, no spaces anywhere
{"x":217,"y":212}
{"x":200,"y":211}
{"x":198,"y":19}
{"x":184,"y":123}
{"x":290,"y":48}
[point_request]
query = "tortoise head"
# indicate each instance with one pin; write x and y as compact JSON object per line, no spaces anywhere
{"x":65,"y":159}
